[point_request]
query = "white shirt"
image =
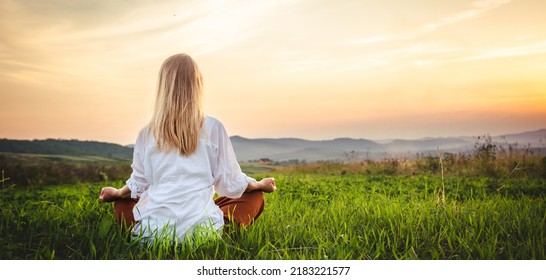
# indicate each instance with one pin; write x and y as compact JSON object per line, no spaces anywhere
{"x":176,"y":192}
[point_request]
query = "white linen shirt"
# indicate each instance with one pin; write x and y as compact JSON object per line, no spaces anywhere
{"x":176,"y":192}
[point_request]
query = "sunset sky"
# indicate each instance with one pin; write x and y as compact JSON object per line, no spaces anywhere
{"x":308,"y":69}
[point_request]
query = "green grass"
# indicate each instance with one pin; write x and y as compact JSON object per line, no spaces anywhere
{"x":32,"y":170}
{"x":77,"y":158}
{"x":52,"y":157}
{"x":310,"y":217}
{"x":255,"y":168}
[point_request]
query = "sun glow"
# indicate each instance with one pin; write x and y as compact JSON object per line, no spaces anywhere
{"x":277,"y":69}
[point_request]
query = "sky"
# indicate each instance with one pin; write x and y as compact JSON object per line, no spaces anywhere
{"x":308,"y":69}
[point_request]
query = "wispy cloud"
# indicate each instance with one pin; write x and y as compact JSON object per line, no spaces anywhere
{"x":425,"y":44}
{"x":375,"y":39}
{"x":40,"y":39}
{"x":536,"y":48}
{"x":476,"y":9}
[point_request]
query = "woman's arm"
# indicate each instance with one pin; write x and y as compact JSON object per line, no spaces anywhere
{"x":265,"y":185}
{"x":109,"y":194}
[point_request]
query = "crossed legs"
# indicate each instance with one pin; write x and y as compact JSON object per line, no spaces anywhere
{"x":239,"y":211}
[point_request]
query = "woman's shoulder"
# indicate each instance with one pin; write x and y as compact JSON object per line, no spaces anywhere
{"x":143,"y":135}
{"x":214,"y":129}
{"x":212,"y":123}
{"x":144,"y":131}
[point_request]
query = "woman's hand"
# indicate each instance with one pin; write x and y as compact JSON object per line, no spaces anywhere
{"x":268,"y":185}
{"x":109,"y":194}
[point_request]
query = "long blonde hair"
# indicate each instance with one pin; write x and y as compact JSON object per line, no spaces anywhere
{"x":178,"y":114}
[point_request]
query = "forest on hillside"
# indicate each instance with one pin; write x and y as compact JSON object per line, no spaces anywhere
{"x":66,"y":147}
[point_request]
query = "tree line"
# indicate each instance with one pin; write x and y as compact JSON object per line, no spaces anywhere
{"x":66,"y":147}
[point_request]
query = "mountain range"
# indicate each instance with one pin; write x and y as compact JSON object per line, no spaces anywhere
{"x":293,"y":149}
{"x":343,"y":149}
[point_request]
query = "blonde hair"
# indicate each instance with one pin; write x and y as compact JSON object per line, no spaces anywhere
{"x":178,"y":114}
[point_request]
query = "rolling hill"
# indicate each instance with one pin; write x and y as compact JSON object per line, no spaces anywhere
{"x":288,"y":149}
{"x":66,"y":148}
{"x":340,"y":149}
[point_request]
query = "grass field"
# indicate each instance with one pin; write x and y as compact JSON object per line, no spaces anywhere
{"x":51,"y":169}
{"x":316,"y":217}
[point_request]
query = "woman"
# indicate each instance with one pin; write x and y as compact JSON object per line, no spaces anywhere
{"x":180,"y":160}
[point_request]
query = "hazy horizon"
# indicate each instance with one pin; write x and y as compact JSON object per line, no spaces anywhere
{"x":313,"y":70}
{"x":308,"y":139}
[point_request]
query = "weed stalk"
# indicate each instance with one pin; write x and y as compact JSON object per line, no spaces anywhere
{"x":441,"y":193}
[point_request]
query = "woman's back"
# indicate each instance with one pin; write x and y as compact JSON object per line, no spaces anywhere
{"x":176,"y":191}
{"x":180,"y":160}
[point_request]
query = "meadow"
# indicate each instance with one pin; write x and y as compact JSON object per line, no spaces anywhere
{"x":320,"y":211}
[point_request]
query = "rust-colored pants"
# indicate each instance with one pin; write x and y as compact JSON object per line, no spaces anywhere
{"x":239,"y":211}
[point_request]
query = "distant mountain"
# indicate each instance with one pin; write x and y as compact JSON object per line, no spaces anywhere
{"x":289,"y":149}
{"x":535,"y":138}
{"x":66,"y":147}
{"x":447,"y":144}
{"x":285,"y":149}
{"x":343,"y":149}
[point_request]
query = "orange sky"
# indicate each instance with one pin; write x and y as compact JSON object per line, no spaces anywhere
{"x":306,"y":69}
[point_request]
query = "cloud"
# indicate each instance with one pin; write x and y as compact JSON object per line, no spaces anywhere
{"x":476,"y":9}
{"x":536,"y":48}
{"x":59,"y":33}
